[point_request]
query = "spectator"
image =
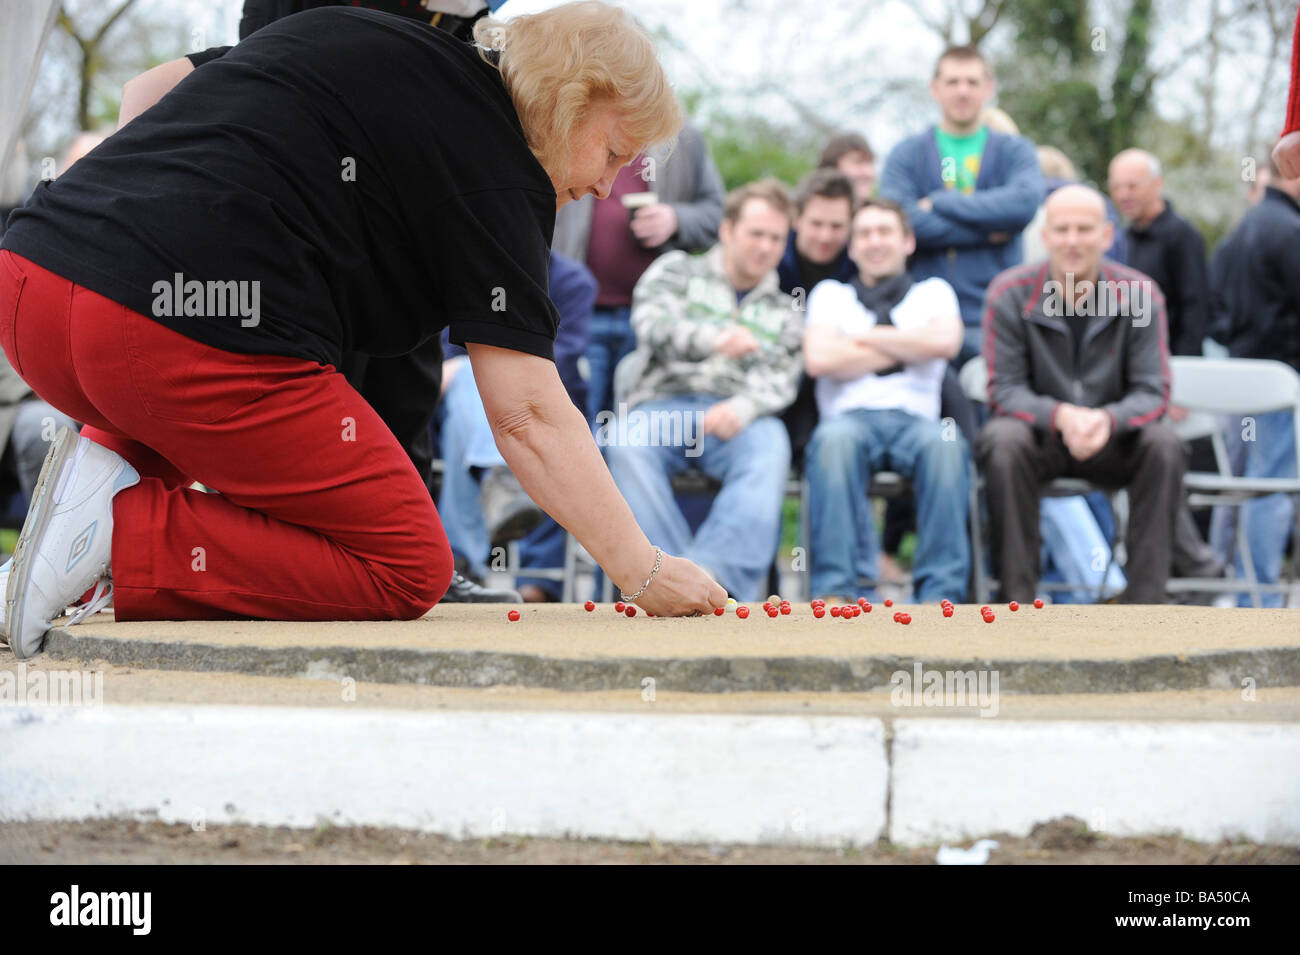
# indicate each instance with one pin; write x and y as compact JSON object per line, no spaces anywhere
{"x":816,"y":250}
{"x":1075,"y":549}
{"x":878,"y":346}
{"x":1265,"y":323}
{"x":1163,"y":245}
{"x":720,"y":343}
{"x":1058,"y":171}
{"x":1168,"y":248}
{"x":481,"y":501}
{"x":1075,"y":395}
{"x":849,"y":154}
{"x":968,"y":191}
{"x":618,"y":246}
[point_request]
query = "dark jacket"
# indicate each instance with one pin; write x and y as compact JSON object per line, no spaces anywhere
{"x":788,"y":269}
{"x":1171,"y":251}
{"x":952,"y":240}
{"x":1265,"y":308}
{"x":1123,"y":366}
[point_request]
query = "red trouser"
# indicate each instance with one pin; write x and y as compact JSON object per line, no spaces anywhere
{"x":321,"y":514}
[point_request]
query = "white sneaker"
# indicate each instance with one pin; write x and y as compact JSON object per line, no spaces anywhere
{"x":66,"y":542}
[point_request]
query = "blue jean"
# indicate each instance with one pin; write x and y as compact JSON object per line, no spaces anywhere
{"x":1268,"y":519}
{"x":738,"y":539}
{"x":843,"y":454}
{"x":1077,"y":549}
{"x":467,"y":443}
{"x":612,"y":339}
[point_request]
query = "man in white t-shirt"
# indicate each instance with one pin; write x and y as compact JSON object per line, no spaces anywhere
{"x":877,"y":347}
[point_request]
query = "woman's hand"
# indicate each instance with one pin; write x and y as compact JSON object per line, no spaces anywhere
{"x":680,"y":589}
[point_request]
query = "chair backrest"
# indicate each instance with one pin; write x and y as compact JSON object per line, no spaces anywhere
{"x":1234,"y":386}
{"x":974,"y":378}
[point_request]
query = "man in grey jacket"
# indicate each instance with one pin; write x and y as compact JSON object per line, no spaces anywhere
{"x":683,"y":197}
{"x":1078,"y":360}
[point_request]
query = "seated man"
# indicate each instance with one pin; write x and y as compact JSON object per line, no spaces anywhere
{"x":1078,"y":361}
{"x":878,"y":347}
{"x":719,"y":342}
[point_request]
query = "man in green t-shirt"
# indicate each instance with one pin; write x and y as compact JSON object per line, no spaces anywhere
{"x":969,"y":191}
{"x":959,"y":158}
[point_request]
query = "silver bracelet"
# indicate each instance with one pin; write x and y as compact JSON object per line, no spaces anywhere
{"x":659,"y":559}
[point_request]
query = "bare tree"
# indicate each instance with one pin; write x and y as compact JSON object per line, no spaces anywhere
{"x":90,"y":42}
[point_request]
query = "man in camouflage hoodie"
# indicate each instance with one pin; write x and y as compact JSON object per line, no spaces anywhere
{"x":718,"y":358}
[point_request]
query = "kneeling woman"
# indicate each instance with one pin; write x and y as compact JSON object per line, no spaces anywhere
{"x":341,"y":180}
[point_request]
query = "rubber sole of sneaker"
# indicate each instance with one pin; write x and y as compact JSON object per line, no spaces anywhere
{"x":38,"y":518}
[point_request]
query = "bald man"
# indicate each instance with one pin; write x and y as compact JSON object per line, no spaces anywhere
{"x":1078,"y":381}
{"x":1164,"y":246}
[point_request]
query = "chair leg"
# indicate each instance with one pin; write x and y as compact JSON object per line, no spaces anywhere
{"x":1247,"y":560}
{"x":570,"y":569}
{"x":979,"y":583}
{"x":804,"y":535}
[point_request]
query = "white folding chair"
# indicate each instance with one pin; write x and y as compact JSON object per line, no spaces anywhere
{"x":1237,"y":387}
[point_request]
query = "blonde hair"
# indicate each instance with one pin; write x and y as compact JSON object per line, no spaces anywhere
{"x":1055,"y":164}
{"x":999,"y":121}
{"x":560,"y":63}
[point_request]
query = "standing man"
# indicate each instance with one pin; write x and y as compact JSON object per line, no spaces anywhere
{"x":1078,"y":384}
{"x":967,"y":190}
{"x":618,"y":242}
{"x":878,"y":346}
{"x":722,"y":349}
{"x":1163,"y":245}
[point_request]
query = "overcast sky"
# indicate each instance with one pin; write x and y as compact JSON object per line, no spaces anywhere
{"x":862,"y":64}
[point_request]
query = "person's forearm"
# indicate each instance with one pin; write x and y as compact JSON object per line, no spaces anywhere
{"x":907,"y":345}
{"x":547,"y":444}
{"x":846,"y":360}
{"x":149,"y":87}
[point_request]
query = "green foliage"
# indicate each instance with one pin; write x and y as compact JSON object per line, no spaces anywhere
{"x":1050,"y":81}
{"x":747,"y":147}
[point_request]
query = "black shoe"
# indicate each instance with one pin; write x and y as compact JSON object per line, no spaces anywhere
{"x":465,"y":591}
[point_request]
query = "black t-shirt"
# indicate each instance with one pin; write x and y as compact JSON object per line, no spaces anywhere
{"x":368,"y":172}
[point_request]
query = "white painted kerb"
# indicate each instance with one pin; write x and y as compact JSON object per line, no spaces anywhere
{"x":954,"y":779}
{"x":684,"y":778}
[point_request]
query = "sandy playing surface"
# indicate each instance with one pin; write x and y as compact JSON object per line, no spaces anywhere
{"x":1055,"y":632}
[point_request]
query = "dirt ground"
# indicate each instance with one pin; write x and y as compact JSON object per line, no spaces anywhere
{"x":117,"y":841}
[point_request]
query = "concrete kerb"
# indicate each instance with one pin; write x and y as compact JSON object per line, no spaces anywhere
{"x":808,"y":780}
{"x":1209,"y":669}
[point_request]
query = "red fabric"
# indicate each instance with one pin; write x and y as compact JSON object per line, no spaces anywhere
{"x":321,"y":514}
{"x":1293,"y":100}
